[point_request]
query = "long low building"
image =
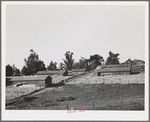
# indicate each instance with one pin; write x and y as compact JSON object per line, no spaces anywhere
{"x":39,"y":80}
{"x":112,"y":66}
{"x":55,"y":72}
{"x":114,"y":70}
{"x":78,"y":70}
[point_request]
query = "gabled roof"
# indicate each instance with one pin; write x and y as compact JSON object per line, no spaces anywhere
{"x":29,"y":78}
{"x":118,"y":69}
{"x":78,"y":70}
{"x":50,"y":72}
{"x":129,"y":60}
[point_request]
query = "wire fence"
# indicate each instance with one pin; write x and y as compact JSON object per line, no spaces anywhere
{"x":15,"y":92}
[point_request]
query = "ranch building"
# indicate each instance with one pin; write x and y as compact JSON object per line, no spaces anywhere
{"x":38,"y":80}
{"x":78,"y":70}
{"x":112,"y":70}
{"x":56,"y":72}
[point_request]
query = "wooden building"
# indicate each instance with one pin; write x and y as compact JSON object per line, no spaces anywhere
{"x":48,"y":72}
{"x":55,"y":72}
{"x":38,"y":80}
{"x":78,"y":70}
{"x":112,"y":70}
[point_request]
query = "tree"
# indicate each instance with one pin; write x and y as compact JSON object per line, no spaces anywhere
{"x":82,"y":64}
{"x":32,"y":64}
{"x":94,"y":61}
{"x":69,"y":60}
{"x":9,"y":70}
{"x":112,"y":59}
{"x":61,"y":66}
{"x":16,"y":72}
{"x":52,"y":66}
{"x":97,"y":59}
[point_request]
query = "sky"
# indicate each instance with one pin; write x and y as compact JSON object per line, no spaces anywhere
{"x":51,"y":30}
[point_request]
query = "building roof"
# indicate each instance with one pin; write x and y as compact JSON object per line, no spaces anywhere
{"x":117,"y":69}
{"x":69,"y":71}
{"x":50,"y":72}
{"x":114,"y":66}
{"x":78,"y":70}
{"x":129,"y":60}
{"x":29,"y":78}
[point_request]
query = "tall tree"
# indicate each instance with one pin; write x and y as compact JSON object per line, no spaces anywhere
{"x":52,"y":66}
{"x":61,"y":66}
{"x":33,"y":64}
{"x":9,"y":70}
{"x":68,"y":61}
{"x":112,"y":59}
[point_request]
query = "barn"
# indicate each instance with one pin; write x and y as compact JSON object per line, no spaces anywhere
{"x":56,"y":72}
{"x":113,"y":66}
{"x":38,"y":80}
{"x":79,"y":70}
{"x":112,"y":70}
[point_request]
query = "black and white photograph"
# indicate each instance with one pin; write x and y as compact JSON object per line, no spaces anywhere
{"x":75,"y":60}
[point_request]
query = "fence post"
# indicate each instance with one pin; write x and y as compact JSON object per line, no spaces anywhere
{"x":93,"y":105}
{"x":67,"y":107}
{"x":121,"y":102}
{"x":44,"y":106}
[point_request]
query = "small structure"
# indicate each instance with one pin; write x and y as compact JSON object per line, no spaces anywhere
{"x":128,"y":62}
{"x":136,"y":69}
{"x":38,"y":80}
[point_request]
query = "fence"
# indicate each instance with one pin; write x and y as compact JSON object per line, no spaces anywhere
{"x":15,"y":92}
{"x":109,"y":80}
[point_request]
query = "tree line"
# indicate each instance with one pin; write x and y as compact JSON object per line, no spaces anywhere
{"x":33,"y":64}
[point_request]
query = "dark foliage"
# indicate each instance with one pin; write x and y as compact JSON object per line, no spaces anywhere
{"x":112,"y":59}
{"x":9,"y":70}
{"x":33,"y":64}
{"x":68,"y":61}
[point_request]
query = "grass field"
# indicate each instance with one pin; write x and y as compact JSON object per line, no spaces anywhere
{"x":89,"y":92}
{"x":87,"y":97}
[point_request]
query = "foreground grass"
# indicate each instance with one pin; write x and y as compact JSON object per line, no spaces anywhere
{"x":87,"y":97}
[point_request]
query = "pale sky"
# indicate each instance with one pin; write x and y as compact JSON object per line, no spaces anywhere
{"x":51,"y":30}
